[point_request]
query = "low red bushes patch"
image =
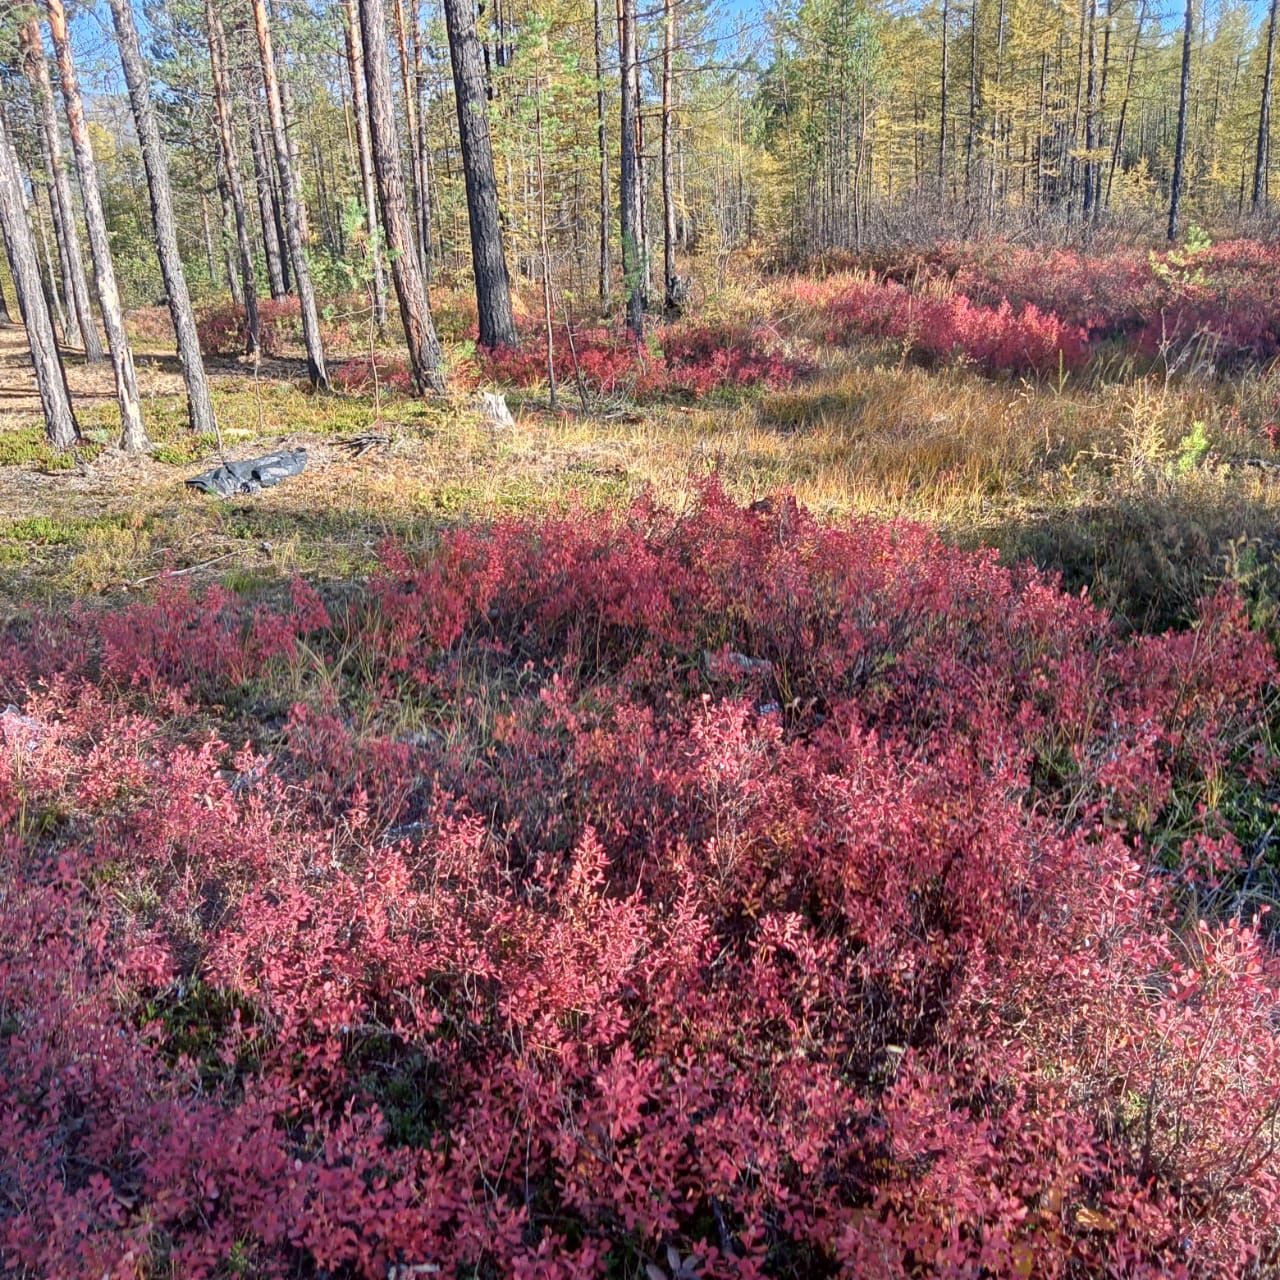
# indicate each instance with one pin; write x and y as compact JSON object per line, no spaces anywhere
{"x":682,"y":360}
{"x":722,"y":887}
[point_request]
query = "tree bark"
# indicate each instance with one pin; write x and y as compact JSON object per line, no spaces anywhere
{"x":1180,"y":143}
{"x":268,"y":209}
{"x":671,"y":281}
{"x":1124,"y":102}
{"x":606,"y":282}
{"x":942,"y":111}
{"x":426,"y":209}
{"x":199,"y":405}
{"x":425,"y":358}
{"x":489,"y":262}
{"x":633,"y":267}
{"x":226,"y":226}
{"x":360,"y":110}
{"x":1090,"y":105}
{"x":69,"y":320}
{"x":227,"y":133}
{"x":81,"y":327}
{"x":1262,"y":156}
{"x":416,"y":193}
{"x":972,"y":136}
{"x":316,"y":370}
{"x":24,"y":267}
{"x":133,"y":435}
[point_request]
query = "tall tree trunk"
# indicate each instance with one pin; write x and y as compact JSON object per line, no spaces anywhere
{"x":199,"y":405}
{"x":1040,"y":138}
{"x":226,"y":225}
{"x":1100,"y":130}
{"x":426,"y":210}
{"x":633,"y":266}
{"x":546,"y":254}
{"x":1262,"y":156}
{"x":51,"y":278}
{"x":210,"y":262}
{"x":1180,"y":142}
{"x":70,"y":321}
{"x":971,"y":137}
{"x":227,"y":134}
{"x":606,"y":280}
{"x":1118,"y":141}
{"x":24,"y":267}
{"x":360,"y":110}
{"x":291,"y":133}
{"x":489,"y":262}
{"x":82,"y":328}
{"x":425,"y":357}
{"x":133,"y":435}
{"x":416,"y":194}
{"x":1089,"y":107}
{"x":5,"y":318}
{"x":268,"y":209}
{"x":995,"y":113}
{"x":671,"y":281}
{"x":942,"y":111}
{"x":316,"y":370}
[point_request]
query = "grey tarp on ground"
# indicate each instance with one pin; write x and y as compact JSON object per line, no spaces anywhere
{"x":252,"y":474}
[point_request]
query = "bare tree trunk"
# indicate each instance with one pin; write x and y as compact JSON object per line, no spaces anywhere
{"x":416,"y":195}
{"x":292,"y":202}
{"x":1118,"y":142}
{"x":606,"y":282}
{"x":1090,"y":104}
{"x":226,"y":225}
{"x":133,"y":434}
{"x":227,"y":135}
{"x":32,"y":208}
{"x":425,"y":357}
{"x":972,"y":136}
{"x":546,"y":254}
{"x":673,"y":299}
{"x":1180,"y":143}
{"x":360,"y":110}
{"x":942,"y":112}
{"x":268,"y":212}
{"x":69,"y":321}
{"x":82,"y":329}
{"x":633,"y":267}
{"x":291,"y":132}
{"x":210,"y":263}
{"x":24,"y":267}
{"x":1261,"y":165}
{"x":489,"y":262}
{"x":199,"y":405}
{"x":426,"y":211}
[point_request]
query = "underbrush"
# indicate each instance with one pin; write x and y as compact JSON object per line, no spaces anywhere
{"x":1012,"y":309}
{"x":682,"y":360}
{"x":721,"y":892}
{"x":221,"y":326}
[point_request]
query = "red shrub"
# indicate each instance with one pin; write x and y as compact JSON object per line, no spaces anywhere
{"x":1011,"y":308}
{"x":1227,"y":295}
{"x":683,"y":360}
{"x":998,"y":339}
{"x":786,"y":897}
{"x":221,"y":328}
{"x":393,"y":373}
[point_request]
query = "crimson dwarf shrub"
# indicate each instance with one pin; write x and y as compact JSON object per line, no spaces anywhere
{"x":802,"y":900}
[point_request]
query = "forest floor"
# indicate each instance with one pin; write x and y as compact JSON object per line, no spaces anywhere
{"x":1112,"y":484}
